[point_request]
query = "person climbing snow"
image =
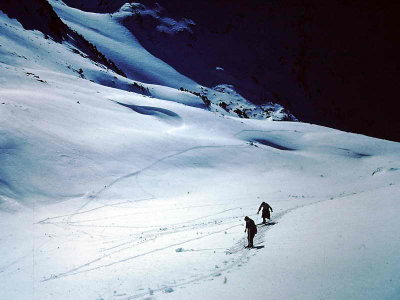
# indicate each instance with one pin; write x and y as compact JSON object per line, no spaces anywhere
{"x":265,"y":211}
{"x":251,"y":229}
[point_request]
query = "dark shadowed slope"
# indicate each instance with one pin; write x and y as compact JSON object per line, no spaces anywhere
{"x":334,"y":63}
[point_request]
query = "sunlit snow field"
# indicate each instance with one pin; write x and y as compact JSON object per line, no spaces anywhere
{"x":108,"y":194}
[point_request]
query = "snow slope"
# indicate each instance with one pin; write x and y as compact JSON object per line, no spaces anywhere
{"x":111,"y":33}
{"x":110,"y":194}
{"x":115,"y":41}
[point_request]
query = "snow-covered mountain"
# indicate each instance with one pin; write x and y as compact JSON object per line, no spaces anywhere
{"x":122,"y":178}
{"x":332,"y":63}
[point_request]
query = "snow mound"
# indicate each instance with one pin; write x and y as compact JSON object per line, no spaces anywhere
{"x":161,"y":114}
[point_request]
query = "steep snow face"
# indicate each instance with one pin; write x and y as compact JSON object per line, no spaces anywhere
{"x":338,"y":74}
{"x":109,"y":32}
{"x":111,"y":194}
{"x":117,"y":43}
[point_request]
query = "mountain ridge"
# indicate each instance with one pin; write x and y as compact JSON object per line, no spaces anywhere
{"x":332,"y":64}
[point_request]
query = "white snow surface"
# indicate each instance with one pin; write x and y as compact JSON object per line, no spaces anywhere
{"x":117,"y":43}
{"x":109,"y":194}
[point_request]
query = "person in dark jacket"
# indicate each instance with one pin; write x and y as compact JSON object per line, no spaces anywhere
{"x":251,"y":229}
{"x":265,"y":211}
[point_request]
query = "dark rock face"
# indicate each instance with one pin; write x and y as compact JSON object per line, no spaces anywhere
{"x":35,"y":15}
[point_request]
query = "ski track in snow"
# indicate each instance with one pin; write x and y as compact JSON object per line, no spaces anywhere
{"x":70,"y":223}
{"x":138,"y":172}
{"x":91,"y":244}
{"x":240,"y":255}
{"x":76,"y":270}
